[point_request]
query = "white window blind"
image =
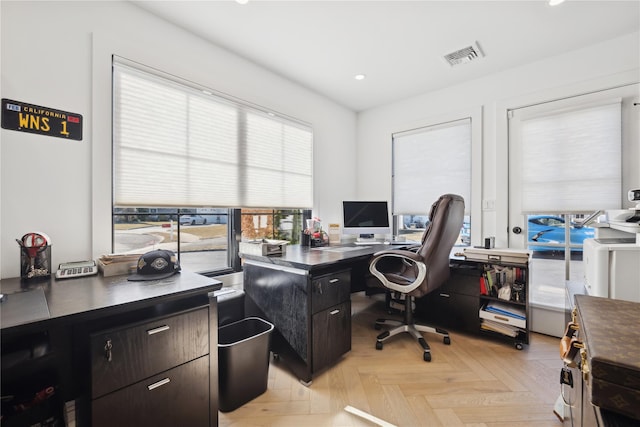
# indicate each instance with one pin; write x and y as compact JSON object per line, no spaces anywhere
{"x":175,"y":145}
{"x":429,"y":162}
{"x":571,"y":159}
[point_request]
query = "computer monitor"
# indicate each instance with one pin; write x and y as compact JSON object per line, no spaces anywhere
{"x":365,"y":218}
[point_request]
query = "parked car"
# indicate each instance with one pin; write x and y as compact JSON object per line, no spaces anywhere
{"x":550,"y":229}
{"x":192,"y":220}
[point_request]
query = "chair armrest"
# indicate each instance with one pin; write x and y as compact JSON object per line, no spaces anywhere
{"x":399,"y":253}
{"x":407,"y":257}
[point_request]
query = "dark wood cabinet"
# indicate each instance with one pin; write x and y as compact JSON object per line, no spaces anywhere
{"x":331,"y":335}
{"x":123,"y":356}
{"x":113,"y":352}
{"x":159,"y":365}
{"x":460,"y":304}
{"x":311,"y":311}
{"x":177,"y":397}
{"x":455,"y":304}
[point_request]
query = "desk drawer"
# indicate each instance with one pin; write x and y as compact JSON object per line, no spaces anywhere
{"x":330,"y":289}
{"x":463,"y":280}
{"x":142,"y":350}
{"x":178,"y":397}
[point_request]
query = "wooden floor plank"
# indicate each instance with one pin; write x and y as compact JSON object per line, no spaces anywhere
{"x":474,"y":382}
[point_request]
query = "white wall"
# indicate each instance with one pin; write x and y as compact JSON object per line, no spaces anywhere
{"x":57,"y":54}
{"x":604,"y":65}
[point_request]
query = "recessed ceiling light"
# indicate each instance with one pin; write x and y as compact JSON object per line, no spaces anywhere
{"x":555,"y":2}
{"x":359,"y":77}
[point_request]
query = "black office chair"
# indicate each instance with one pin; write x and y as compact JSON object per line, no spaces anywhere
{"x":415,"y":273}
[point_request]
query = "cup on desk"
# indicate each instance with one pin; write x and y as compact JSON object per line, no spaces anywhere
{"x":489,"y":242}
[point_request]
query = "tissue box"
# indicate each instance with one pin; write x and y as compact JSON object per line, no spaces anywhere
{"x":263,"y":247}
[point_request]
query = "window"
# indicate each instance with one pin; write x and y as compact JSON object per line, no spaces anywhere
{"x":429,"y":162}
{"x":185,"y":160}
{"x":273,"y":224}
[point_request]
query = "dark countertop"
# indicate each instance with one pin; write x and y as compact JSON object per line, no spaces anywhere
{"x":53,"y":299}
{"x":306,"y":258}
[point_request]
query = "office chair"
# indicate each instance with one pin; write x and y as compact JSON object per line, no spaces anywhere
{"x":415,"y":273}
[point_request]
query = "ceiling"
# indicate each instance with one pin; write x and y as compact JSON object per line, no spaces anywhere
{"x":398,"y":45}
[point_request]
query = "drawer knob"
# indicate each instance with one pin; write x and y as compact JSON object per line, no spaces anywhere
{"x":107,"y":350}
{"x":159,"y":384}
{"x":158,"y":330}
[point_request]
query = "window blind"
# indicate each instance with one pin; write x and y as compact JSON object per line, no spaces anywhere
{"x":178,"y":145}
{"x":571,"y":159}
{"x":429,"y":162}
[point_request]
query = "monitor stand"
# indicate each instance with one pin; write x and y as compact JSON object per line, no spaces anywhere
{"x":366,"y":239}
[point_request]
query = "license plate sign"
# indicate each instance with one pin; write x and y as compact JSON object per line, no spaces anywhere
{"x":31,"y":118}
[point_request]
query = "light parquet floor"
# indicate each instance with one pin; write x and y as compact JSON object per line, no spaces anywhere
{"x":475,"y":381}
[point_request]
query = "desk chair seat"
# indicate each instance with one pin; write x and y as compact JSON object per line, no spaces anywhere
{"x":415,"y":272}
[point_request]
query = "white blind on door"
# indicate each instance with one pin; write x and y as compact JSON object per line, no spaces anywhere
{"x":571,"y":160}
{"x":429,"y":162}
{"x":175,"y":145}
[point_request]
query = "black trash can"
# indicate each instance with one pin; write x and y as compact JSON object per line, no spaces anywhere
{"x":243,"y":361}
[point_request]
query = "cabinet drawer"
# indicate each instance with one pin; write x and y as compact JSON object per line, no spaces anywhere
{"x":331,"y":335}
{"x":178,"y":397}
{"x":330,"y":290}
{"x":142,"y":350}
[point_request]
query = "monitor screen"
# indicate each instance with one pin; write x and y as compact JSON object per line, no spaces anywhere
{"x":365,"y":218}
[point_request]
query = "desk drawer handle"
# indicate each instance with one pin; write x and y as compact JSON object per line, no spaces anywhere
{"x":334,"y":280}
{"x":158,"y":330}
{"x":334,"y":312}
{"x":159,"y":384}
{"x":108,"y":346}
{"x":445,"y":295}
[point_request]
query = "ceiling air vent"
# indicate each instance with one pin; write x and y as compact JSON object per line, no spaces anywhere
{"x":462,"y":56}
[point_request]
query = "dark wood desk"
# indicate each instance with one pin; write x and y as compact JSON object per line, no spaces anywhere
{"x":305,"y":293}
{"x":47,"y":328}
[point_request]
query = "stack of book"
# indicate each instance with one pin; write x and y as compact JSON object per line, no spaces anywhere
{"x":113,"y":265}
{"x":506,"y":319}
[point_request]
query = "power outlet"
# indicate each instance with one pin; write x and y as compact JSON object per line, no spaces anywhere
{"x":488,"y":205}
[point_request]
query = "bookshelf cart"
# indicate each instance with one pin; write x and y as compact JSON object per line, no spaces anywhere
{"x":470,"y":303}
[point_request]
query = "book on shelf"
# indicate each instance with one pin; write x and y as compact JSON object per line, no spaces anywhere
{"x":483,"y":286}
{"x":506,"y":310}
{"x":501,"y":328}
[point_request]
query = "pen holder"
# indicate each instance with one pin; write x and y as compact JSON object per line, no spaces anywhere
{"x":35,"y":263}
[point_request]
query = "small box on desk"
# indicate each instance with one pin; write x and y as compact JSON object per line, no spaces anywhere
{"x":114,"y":265}
{"x":264,"y":247}
{"x":497,"y":255}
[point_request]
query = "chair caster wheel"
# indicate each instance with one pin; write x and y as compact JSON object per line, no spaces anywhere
{"x":378,"y":345}
{"x":427,"y":357}
{"x":276,"y":356}
{"x":446,"y":340}
{"x":519,"y":346}
{"x":377,"y":326}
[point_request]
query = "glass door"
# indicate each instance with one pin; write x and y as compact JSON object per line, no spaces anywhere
{"x":566,"y":162}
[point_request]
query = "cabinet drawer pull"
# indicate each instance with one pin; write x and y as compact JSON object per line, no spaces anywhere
{"x":334,"y":312}
{"x":445,"y":295}
{"x":158,"y":330}
{"x":159,"y":384}
{"x":504,"y":319}
{"x":334,"y":280}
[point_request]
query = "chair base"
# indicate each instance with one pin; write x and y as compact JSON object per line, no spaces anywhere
{"x":414,"y":330}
